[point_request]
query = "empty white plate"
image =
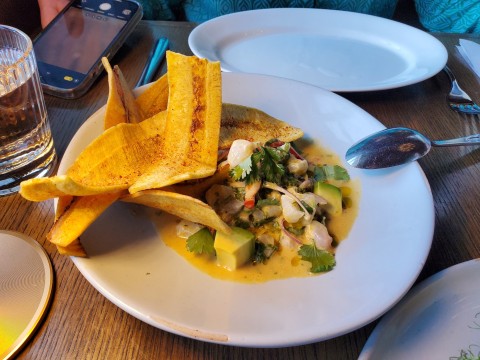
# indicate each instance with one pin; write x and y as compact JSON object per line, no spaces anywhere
{"x":337,"y":50}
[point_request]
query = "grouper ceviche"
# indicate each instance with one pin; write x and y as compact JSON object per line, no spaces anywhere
{"x":274,"y":199}
{"x":247,"y":191}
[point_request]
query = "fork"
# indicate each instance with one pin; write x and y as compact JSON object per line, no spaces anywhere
{"x":458,"y":99}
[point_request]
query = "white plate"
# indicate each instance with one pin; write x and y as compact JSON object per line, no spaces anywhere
{"x":438,"y":319}
{"x":26,"y":287}
{"x":376,"y":264}
{"x":336,"y":50}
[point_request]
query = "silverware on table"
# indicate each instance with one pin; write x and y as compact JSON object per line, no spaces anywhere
{"x":154,"y":60}
{"x":397,"y":146}
{"x":458,"y":99}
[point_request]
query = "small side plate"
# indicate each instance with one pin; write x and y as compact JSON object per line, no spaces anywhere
{"x":26,"y":287}
{"x":438,"y":319}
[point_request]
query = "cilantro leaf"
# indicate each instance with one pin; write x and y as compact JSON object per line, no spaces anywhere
{"x":201,"y":242}
{"x":321,"y":260}
{"x":329,"y":172}
{"x":242,"y":170}
{"x":271,"y":166}
{"x":266,"y":163}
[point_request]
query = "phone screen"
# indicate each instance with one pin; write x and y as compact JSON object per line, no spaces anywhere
{"x":70,"y":48}
{"x":77,"y":39}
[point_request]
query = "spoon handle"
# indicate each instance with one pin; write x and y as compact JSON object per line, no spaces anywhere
{"x":464,"y":141}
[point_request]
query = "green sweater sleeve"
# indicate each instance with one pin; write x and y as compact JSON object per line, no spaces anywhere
{"x":456,"y":16}
{"x":203,"y":10}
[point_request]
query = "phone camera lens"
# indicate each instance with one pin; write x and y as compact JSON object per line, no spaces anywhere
{"x":105,"y":6}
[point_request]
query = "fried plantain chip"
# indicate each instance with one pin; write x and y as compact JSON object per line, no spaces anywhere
{"x":237,"y":122}
{"x":197,"y":188}
{"x":243,"y":122}
{"x":193,"y":123}
{"x":115,"y":159}
{"x":71,"y":217}
{"x":155,"y":98}
{"x":75,"y":248}
{"x":78,"y":215}
{"x":41,"y":189}
{"x":167,"y":161}
{"x":63,"y":204}
{"x":121,"y":105}
{"x":179,"y":205}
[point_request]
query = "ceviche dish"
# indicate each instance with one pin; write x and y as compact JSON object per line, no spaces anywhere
{"x":238,"y":193}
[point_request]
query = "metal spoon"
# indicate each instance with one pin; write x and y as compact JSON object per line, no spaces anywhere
{"x":397,"y":146}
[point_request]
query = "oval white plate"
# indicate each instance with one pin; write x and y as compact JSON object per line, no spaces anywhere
{"x":336,"y":50}
{"x":438,"y":319}
{"x":376,"y":264}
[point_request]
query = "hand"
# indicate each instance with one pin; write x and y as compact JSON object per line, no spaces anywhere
{"x":49,"y":9}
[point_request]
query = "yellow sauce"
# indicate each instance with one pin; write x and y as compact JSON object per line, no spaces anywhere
{"x":283,"y":264}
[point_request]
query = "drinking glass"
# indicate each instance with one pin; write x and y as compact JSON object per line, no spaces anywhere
{"x":26,"y":145}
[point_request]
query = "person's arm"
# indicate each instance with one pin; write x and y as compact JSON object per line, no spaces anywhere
{"x":49,"y":9}
{"x":455,"y":16}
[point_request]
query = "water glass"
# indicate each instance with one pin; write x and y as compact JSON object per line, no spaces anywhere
{"x":26,"y":145}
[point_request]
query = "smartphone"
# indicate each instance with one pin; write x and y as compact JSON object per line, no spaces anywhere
{"x":69,"y":50}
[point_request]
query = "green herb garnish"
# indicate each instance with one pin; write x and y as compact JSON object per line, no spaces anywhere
{"x":330,"y":172}
{"x":201,"y":242}
{"x":321,"y":260}
{"x":268,"y":201}
{"x":266,"y":163}
{"x":263,"y":252}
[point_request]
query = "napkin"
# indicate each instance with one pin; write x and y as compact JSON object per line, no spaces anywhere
{"x":470,"y":51}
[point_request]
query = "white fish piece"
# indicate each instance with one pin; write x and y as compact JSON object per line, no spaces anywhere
{"x":239,"y":151}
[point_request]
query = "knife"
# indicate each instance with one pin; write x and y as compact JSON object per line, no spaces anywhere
{"x":154,"y":60}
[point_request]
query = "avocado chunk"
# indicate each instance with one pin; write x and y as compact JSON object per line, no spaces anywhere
{"x":235,"y":249}
{"x":332,"y":194}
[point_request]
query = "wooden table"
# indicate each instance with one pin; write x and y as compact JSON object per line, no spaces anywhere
{"x":82,"y":324}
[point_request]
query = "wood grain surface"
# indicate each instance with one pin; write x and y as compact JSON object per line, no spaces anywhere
{"x":82,"y":324}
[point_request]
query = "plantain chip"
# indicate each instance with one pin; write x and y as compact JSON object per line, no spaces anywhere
{"x":155,"y":98}
{"x":74,"y":214}
{"x":149,"y":156}
{"x":179,"y":205}
{"x":78,"y":215}
{"x":243,"y":122}
{"x":121,"y":105}
{"x":63,"y":204}
{"x":193,"y":123}
{"x":197,"y":188}
{"x":115,"y":159}
{"x":237,"y":121}
{"x":41,"y":189}
{"x":75,"y":248}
